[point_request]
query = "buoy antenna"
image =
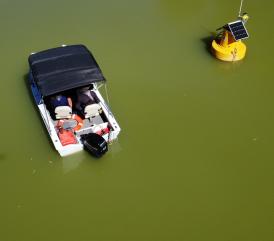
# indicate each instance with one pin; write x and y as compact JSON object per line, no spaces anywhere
{"x":240,"y":11}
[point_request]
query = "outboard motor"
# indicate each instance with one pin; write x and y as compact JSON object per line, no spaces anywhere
{"x":94,"y":144}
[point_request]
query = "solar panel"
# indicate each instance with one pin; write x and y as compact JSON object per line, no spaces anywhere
{"x":238,"y":30}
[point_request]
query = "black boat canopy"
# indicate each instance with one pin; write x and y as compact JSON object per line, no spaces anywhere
{"x":63,"y":68}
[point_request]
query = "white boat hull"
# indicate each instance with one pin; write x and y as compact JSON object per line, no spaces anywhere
{"x":74,"y":148}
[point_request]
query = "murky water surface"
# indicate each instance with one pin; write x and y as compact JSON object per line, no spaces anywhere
{"x":194,"y":160}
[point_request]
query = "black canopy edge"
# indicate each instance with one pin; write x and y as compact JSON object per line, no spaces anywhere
{"x":63,"y":68}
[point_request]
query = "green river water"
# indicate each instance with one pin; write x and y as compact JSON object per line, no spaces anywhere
{"x":194,"y":160}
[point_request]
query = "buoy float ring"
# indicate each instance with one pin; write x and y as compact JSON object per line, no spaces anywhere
{"x":75,"y":117}
{"x":79,"y":122}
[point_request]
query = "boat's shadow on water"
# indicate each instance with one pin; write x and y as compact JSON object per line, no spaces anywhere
{"x":26,"y":80}
{"x":2,"y":157}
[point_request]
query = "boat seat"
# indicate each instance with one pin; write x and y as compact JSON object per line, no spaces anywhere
{"x":92,"y":110}
{"x":63,"y":112}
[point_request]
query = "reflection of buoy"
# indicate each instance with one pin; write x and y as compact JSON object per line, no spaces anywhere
{"x":228,"y":46}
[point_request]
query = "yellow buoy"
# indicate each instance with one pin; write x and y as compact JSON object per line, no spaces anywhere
{"x":227,"y":48}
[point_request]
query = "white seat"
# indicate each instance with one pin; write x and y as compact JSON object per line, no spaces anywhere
{"x":92,"y":110}
{"x":63,"y":112}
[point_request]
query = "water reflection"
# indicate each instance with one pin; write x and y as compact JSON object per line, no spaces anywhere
{"x":229,"y":65}
{"x":114,"y":148}
{"x":179,"y":10}
{"x":2,"y":156}
{"x":71,"y":162}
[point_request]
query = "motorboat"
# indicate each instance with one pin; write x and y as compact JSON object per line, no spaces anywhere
{"x":65,"y":83}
